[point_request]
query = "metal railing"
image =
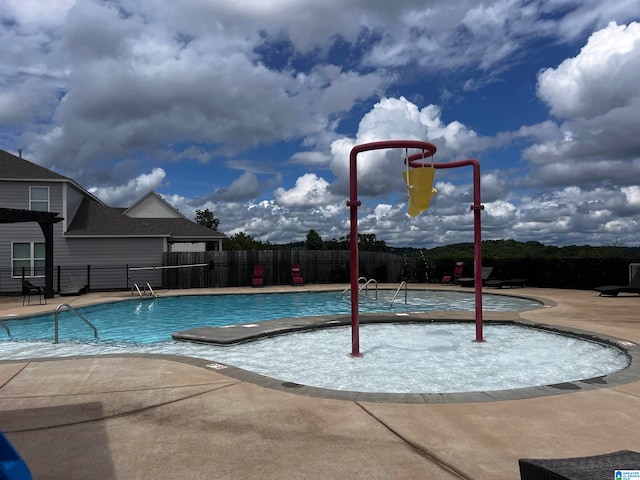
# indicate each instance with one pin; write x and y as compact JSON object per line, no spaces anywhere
{"x":402,"y":284}
{"x":365,"y":287}
{"x":3,"y":325}
{"x":348,"y":289}
{"x":151,"y":292}
{"x":77,"y":314}
{"x":135,"y":286}
{"x":143,"y":293}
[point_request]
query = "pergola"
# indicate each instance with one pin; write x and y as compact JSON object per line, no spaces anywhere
{"x":46,"y":221}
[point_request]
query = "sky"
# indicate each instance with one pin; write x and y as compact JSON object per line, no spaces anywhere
{"x":250,"y":109}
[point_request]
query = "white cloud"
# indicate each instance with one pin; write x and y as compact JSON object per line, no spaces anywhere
{"x":245,"y":187}
{"x":309,"y":191}
{"x":380,"y":171}
{"x":102,"y":91}
{"x":125,"y":195}
{"x":604,"y":76}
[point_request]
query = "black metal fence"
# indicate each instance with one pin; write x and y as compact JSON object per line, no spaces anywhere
{"x":235,"y":268}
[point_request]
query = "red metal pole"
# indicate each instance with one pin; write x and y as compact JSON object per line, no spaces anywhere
{"x":429,"y":149}
{"x":477,"y":207}
{"x":353,"y":204}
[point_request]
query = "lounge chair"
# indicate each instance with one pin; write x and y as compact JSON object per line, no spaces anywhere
{"x":457,"y":273}
{"x":576,"y":468}
{"x":75,"y":286}
{"x":258,"y":276}
{"x":28,"y":289}
{"x":471,"y":281}
{"x":509,"y":282}
{"x":12,"y":465}
{"x":614,"y":290}
{"x":295,"y":274}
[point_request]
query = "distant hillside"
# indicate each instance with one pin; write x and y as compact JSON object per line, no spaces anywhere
{"x":508,"y":249}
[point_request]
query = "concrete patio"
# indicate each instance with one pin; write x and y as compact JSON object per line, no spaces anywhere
{"x":159,"y":417}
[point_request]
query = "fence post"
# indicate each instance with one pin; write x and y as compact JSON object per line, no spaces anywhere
{"x":127,"y":272}
{"x":88,"y":278}
{"x":58,"y":279}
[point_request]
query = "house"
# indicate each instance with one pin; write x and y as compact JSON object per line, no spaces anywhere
{"x":86,"y":233}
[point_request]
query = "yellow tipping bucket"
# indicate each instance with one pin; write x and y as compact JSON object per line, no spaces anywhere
{"x":420,"y":185}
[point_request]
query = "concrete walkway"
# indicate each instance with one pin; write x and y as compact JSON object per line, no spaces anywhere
{"x":166,"y":418}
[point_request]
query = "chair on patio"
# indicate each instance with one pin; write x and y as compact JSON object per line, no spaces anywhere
{"x":258,"y":276}
{"x":12,"y":466}
{"x":75,"y":286}
{"x":457,"y":273}
{"x":614,"y":290}
{"x":471,"y":281}
{"x":296,"y":275}
{"x":508,"y":282}
{"x":28,"y":289}
{"x":579,"y":468}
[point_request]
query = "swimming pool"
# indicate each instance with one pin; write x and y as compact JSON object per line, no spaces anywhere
{"x":401,"y":358}
{"x":150,"y":321}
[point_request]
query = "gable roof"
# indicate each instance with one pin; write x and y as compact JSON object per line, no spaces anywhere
{"x":17,"y":168}
{"x":182,"y":229}
{"x":153,"y":205}
{"x":95,"y":220}
{"x":156,"y":212}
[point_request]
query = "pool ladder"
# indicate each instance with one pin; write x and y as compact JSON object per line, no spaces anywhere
{"x":144,"y":290}
{"x":364,"y":287}
{"x":77,"y":314}
{"x":402,"y":284}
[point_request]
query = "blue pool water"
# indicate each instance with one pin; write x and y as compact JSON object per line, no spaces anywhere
{"x":150,"y":321}
{"x":398,"y":358}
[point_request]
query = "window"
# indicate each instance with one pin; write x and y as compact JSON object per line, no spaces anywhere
{"x":30,"y":256}
{"x":39,"y":199}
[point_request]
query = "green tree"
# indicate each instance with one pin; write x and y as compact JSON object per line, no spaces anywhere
{"x":206,"y":218}
{"x":314,"y":241}
{"x":368,"y":242}
{"x":335,"y":244}
{"x":242,"y":241}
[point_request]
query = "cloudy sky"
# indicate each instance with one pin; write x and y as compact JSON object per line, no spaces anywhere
{"x":251,"y":107}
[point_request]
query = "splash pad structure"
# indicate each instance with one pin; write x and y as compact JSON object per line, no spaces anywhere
{"x":427,"y":150}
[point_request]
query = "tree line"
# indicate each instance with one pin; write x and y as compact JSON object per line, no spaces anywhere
{"x":368,"y":242}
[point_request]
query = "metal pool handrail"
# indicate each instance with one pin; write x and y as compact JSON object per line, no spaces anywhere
{"x":151,"y":292}
{"x":6,"y":328}
{"x":403,"y":283}
{"x":349,"y":287}
{"x":365,"y":287}
{"x":79,"y":315}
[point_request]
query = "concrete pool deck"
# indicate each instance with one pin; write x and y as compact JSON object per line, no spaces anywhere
{"x":143,"y":417}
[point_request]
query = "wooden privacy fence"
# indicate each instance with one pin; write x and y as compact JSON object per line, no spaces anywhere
{"x":235,"y":268}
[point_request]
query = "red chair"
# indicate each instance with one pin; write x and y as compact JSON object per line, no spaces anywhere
{"x":258,"y":276}
{"x":295,"y":273}
{"x":457,"y":273}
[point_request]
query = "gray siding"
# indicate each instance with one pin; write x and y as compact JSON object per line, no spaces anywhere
{"x":108,"y":257}
{"x":74,"y":199}
{"x":16,"y":194}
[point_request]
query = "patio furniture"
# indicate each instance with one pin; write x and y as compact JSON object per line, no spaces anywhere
{"x":296,"y":275}
{"x":258,"y":276}
{"x":75,"y":286}
{"x":597,"y":467}
{"x":12,"y":466}
{"x":509,"y":282}
{"x":614,"y":290}
{"x":457,"y":273}
{"x":28,"y":289}
{"x":470,"y":281}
